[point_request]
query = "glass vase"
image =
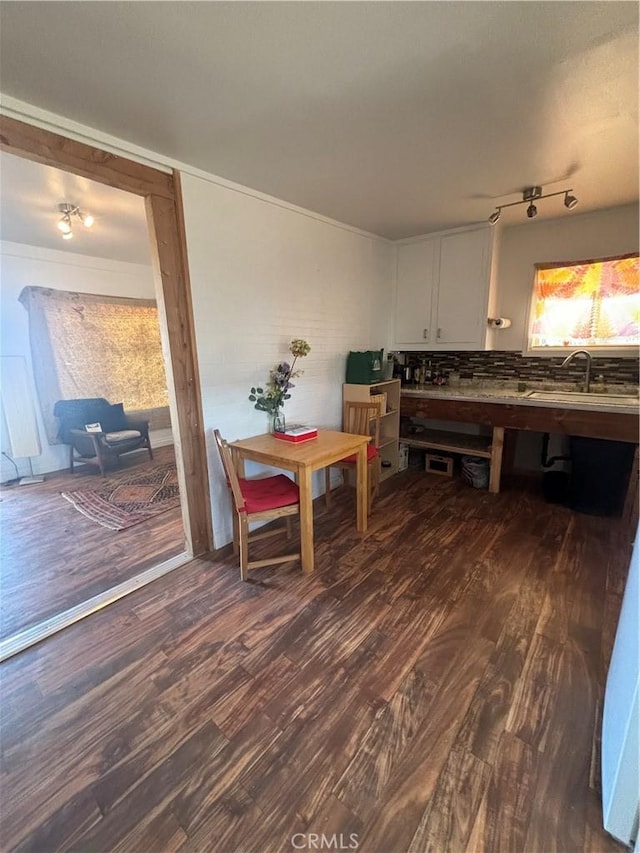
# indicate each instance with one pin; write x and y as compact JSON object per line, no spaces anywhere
{"x":277,"y":421}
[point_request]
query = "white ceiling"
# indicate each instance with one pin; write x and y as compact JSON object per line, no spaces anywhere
{"x":396,"y":117}
{"x":29,"y":198}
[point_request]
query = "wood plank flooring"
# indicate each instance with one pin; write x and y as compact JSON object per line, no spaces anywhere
{"x":52,"y":557}
{"x":436,"y":685}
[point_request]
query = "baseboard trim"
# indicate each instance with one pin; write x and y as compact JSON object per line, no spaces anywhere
{"x":29,"y":637}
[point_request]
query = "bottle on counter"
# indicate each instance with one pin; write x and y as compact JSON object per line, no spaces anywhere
{"x":599,"y":386}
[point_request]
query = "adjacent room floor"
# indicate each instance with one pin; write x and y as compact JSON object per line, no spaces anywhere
{"x":52,"y":557}
{"x":436,"y":685}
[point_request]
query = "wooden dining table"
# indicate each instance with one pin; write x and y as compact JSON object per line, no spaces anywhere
{"x":303,"y":459}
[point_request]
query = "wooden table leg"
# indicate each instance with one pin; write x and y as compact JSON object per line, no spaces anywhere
{"x":496,"y":459}
{"x":306,"y":519}
{"x":362,"y":489}
{"x":238,"y":460}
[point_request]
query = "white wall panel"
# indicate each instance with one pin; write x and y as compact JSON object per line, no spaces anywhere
{"x":262,"y":274}
{"x":18,"y":408}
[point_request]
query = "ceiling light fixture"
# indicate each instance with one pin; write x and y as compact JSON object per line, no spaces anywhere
{"x":65,"y":224}
{"x":531,"y":194}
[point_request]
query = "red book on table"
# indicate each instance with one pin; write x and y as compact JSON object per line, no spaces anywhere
{"x":296,"y":433}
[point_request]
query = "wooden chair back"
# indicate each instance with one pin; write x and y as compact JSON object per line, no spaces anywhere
{"x":359,"y":418}
{"x":229,"y":470}
{"x":362,"y":419}
{"x":242,"y":517}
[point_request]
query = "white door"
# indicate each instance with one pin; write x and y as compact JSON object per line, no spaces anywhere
{"x":621,"y":717}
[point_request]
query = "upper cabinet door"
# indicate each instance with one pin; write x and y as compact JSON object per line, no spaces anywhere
{"x":463,"y":288}
{"x":415,"y":281}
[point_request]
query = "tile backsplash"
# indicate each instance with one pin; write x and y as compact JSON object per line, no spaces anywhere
{"x":498,"y":364}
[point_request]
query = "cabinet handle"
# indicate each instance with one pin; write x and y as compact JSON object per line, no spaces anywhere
{"x":425,"y":334}
{"x":439,"y":333}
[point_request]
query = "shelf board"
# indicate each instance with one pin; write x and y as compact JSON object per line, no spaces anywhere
{"x":454,"y":442}
{"x":383,"y":382}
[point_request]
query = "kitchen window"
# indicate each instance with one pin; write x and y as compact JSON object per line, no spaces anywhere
{"x":592,"y":304}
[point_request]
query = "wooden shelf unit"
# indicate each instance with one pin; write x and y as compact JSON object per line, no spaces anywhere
{"x":389,"y":420}
{"x":451,"y":442}
{"x":485,"y":446}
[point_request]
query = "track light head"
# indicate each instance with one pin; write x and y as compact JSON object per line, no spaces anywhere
{"x":532,"y":211}
{"x":570,"y":201}
{"x":495,"y":216}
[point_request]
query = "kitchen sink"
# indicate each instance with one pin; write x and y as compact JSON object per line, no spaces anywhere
{"x":582,"y":397}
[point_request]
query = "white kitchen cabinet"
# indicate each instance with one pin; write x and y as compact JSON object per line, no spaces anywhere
{"x":444,"y":292}
{"x":417,"y":272}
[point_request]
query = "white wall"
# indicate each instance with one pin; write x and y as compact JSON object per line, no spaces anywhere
{"x":262,"y":274}
{"x":570,"y":238}
{"x":21,"y":266}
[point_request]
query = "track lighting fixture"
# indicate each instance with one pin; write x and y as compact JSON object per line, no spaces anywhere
{"x":531,"y":194}
{"x":65,"y":224}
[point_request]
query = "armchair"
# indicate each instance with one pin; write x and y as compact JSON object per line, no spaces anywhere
{"x":120,"y":433}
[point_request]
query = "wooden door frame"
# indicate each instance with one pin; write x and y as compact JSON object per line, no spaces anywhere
{"x":163,"y":202}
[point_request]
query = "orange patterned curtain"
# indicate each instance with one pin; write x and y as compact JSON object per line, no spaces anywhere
{"x":591,"y":303}
{"x":84,"y":345}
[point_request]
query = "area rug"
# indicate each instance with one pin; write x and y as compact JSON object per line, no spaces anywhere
{"x":118,"y":504}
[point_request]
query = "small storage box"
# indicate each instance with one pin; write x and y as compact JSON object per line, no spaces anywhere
{"x":434,"y":463}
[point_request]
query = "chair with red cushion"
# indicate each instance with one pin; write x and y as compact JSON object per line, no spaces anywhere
{"x":360,"y":419}
{"x":262,"y":499}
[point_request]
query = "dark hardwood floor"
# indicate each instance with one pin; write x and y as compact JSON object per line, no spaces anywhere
{"x":52,"y":557}
{"x":436,"y":685}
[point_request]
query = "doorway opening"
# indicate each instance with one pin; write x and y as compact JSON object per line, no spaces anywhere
{"x":175,"y":534}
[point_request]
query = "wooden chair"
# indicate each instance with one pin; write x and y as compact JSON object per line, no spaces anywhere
{"x":360,"y":419}
{"x":262,"y":499}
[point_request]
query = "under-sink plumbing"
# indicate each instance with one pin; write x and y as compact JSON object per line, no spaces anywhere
{"x":587,"y":355}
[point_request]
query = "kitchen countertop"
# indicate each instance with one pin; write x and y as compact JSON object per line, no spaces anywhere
{"x":503,"y":393}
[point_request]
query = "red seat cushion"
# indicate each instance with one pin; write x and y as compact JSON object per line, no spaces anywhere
{"x":269,"y":493}
{"x":372,"y":452}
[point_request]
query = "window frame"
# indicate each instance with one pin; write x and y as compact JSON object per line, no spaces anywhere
{"x":614,"y":351}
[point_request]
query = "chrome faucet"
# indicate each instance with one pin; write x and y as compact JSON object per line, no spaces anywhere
{"x":587,"y":355}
